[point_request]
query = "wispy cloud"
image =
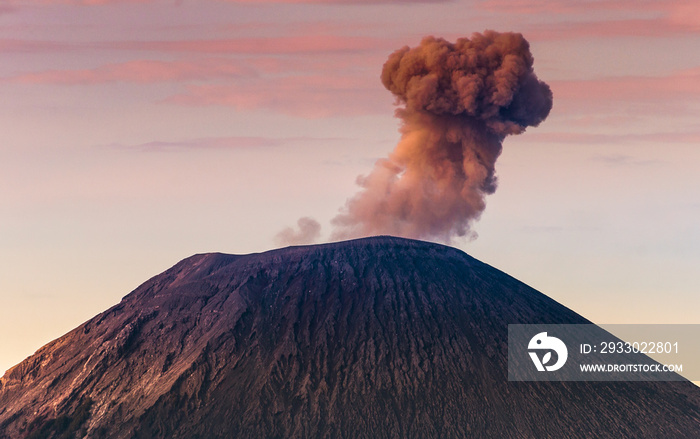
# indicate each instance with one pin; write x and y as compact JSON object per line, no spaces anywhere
{"x":624,"y":160}
{"x":311,"y":96}
{"x":623,"y":104}
{"x":252,"y":46}
{"x":10,"y":45}
{"x":202,"y":143}
{"x":542,"y":229}
{"x":603,"y":18}
{"x":141,"y":71}
{"x":637,"y":95}
{"x":345,"y":2}
{"x":257,"y":46}
{"x":7,"y":9}
{"x":591,"y":29}
{"x":564,"y":7}
{"x":231,"y":142}
{"x":279,"y":74}
{"x":83,"y":2}
{"x":618,"y":138}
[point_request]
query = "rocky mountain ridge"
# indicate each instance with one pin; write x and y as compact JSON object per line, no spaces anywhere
{"x":378,"y":338}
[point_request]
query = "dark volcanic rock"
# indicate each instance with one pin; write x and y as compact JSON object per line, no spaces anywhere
{"x":372,"y":338}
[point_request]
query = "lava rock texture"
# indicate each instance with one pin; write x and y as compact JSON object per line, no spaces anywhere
{"x":372,"y":338}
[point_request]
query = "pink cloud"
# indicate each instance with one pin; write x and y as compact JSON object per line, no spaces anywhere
{"x":348,"y":2}
{"x":232,"y":142}
{"x":87,"y":2}
{"x":140,"y":71}
{"x":560,"y":7}
{"x":685,"y":14}
{"x":204,"y":143}
{"x":341,"y":82}
{"x":628,"y":101}
{"x":306,"y":96}
{"x":304,"y":44}
{"x":582,"y":19}
{"x":31,"y":46}
{"x":681,"y":85}
{"x":625,"y":160}
{"x":690,"y":137}
{"x":609,"y":28}
{"x":268,"y":45}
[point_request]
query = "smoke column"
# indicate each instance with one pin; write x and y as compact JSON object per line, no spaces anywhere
{"x":309,"y":231}
{"x":459,"y":102}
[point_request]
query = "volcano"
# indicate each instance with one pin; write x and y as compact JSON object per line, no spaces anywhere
{"x":371,"y":338}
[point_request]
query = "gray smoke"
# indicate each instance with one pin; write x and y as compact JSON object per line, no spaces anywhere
{"x":309,"y":230}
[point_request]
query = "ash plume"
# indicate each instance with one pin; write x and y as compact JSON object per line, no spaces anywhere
{"x":309,"y":231}
{"x":459,"y":101}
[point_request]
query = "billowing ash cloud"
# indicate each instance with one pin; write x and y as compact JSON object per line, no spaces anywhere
{"x":460,"y":100}
{"x":309,"y":231}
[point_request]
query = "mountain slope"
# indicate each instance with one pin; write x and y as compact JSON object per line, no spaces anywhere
{"x":379,"y":338}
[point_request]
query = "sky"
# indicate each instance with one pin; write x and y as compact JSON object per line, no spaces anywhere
{"x":134,"y":134}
